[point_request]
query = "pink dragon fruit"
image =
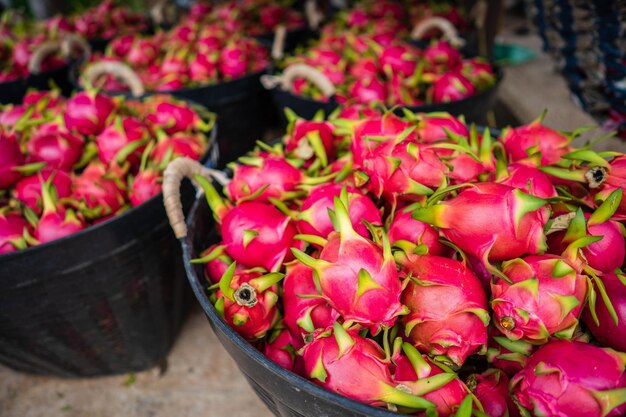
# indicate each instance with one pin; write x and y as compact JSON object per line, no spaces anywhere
{"x":529,"y":179}
{"x":313,"y":218}
{"x":419,"y":375}
{"x":87,"y":113}
{"x":456,"y":328}
{"x":216,"y":262}
{"x":356,"y":276}
{"x":348,"y":364}
{"x":255,"y":234}
{"x":101,"y":191}
{"x":607,"y":179}
{"x":452,"y":87}
{"x":56,"y":221}
{"x":10,"y":158}
{"x":123,"y":140}
{"x":29,"y":189}
{"x":304,"y":314}
{"x":492,"y":390}
{"x":280,"y":350}
{"x":247,"y":301}
{"x":52,"y":144}
{"x":45,"y":100}
{"x":203,"y":68}
{"x":365,"y":67}
{"x":233,"y":62}
{"x":177,"y":145}
{"x":407,"y":233}
{"x":12,"y":228}
{"x":434,"y":127}
{"x":173,"y":117}
{"x":480,"y":72}
{"x":535,"y":137}
{"x":557,"y":382}
{"x":310,"y":140}
{"x":121,"y":45}
{"x":507,"y":355}
{"x":142,"y":53}
{"x":145,"y":185}
{"x":605,"y":330}
{"x":400,"y":59}
{"x":264,"y":176}
{"x":10,"y":115}
{"x":441,"y":53}
{"x":358,"y":112}
{"x":491,"y":221}
{"x":544,"y":298}
{"x":369,"y":90}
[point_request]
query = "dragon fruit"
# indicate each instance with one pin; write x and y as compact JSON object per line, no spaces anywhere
{"x":56,"y":146}
{"x":369,"y":90}
{"x":255,"y":234}
{"x":492,"y":390}
{"x":452,"y":87}
{"x":87,"y":113}
{"x":216,"y":262}
{"x":180,"y":144}
{"x":304,"y":313}
{"x":264,"y":176}
{"x":454,"y":329}
{"x":100,"y":190}
{"x":280,"y":349}
{"x":556,"y":381}
{"x":521,"y":142}
{"x":606,"y":330}
{"x":607,"y":179}
{"x":313,"y":218}
{"x":529,"y":179}
{"x":233,"y":62}
{"x":407,"y":233}
{"x":123,"y":140}
{"x":56,"y":221}
{"x":310,"y":140}
{"x":173,"y":117}
{"x":247,"y":301}
{"x":356,"y":276}
{"x":507,"y":355}
{"x":419,"y":375}
{"x":400,"y":59}
{"x":493,"y":222}
{"x":442,"y":54}
{"x":342,"y":361}
{"x":29,"y":189}
{"x":145,"y":185}
{"x":544,"y":298}
{"x":434,"y":127}
{"x":10,"y":158}
{"x":11,"y":115}
{"x":12,"y":228}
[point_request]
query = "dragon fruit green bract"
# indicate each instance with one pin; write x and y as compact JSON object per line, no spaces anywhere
{"x":427,"y":263}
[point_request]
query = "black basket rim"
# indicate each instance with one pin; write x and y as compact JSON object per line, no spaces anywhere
{"x":426,"y":108}
{"x":256,"y":355}
{"x":95,"y":228}
{"x":24,"y":80}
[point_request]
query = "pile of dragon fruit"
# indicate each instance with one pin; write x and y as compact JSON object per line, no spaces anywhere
{"x":387,"y":19}
{"x":253,"y":17}
{"x":384,"y":70}
{"x":425,"y":266}
{"x":66,"y":164}
{"x":104,"y":21}
{"x":191,"y":54}
{"x":16,"y":54}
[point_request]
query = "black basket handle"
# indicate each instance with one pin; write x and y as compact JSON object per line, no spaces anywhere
{"x":42,"y":52}
{"x":176,"y":171}
{"x":285,"y":81}
{"x":444,"y":25}
{"x":118,"y":70}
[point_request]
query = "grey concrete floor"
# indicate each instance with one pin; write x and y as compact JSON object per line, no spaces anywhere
{"x":201,"y":379}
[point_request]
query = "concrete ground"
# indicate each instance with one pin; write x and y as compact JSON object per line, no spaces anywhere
{"x":201,"y":379}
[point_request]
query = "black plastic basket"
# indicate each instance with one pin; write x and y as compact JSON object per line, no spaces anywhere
{"x":285,"y":393}
{"x":108,"y":300}
{"x":13,"y":92}
{"x":473,"y":108}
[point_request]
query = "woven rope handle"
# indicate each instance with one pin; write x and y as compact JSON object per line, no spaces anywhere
{"x":444,"y":25}
{"x":176,"y":171}
{"x":295,"y":71}
{"x":313,"y":15}
{"x":42,"y":52}
{"x":118,"y":70}
{"x":72,"y":41}
{"x":278,"y":46}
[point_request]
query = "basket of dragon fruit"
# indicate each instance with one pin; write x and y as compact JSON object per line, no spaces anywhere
{"x":386,"y":71}
{"x":89,"y":283}
{"x":202,"y":63}
{"x":386,"y":265}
